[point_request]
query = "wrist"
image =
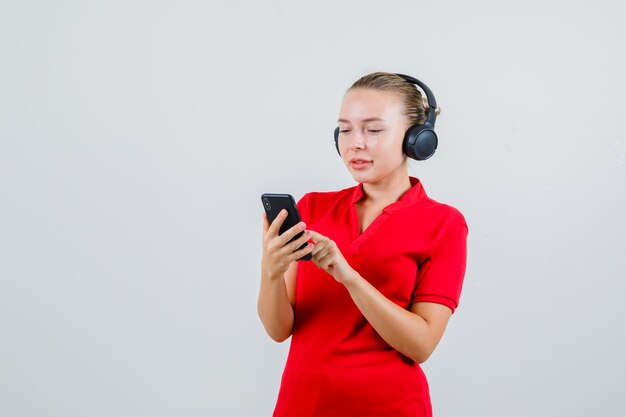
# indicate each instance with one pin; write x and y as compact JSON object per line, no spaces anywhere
{"x":352,"y":280}
{"x":271,"y":276}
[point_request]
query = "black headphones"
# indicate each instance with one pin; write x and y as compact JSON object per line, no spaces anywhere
{"x":420,"y":141}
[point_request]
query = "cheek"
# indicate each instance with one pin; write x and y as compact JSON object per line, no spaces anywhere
{"x":344,"y":149}
{"x":391,"y":144}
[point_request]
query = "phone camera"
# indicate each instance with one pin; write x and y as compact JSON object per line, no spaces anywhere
{"x":267,"y":204}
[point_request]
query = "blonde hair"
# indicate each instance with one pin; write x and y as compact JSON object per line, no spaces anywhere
{"x":415,"y":105}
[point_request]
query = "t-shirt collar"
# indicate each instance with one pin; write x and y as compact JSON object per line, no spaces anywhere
{"x":412,"y":196}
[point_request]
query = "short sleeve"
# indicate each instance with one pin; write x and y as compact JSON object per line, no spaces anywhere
{"x":440,"y":276}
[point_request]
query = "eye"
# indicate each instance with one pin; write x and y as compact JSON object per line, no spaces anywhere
{"x":374,"y":130}
{"x":344,"y":131}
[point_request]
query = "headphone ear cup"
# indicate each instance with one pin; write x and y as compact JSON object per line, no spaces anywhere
{"x":420,"y":142}
{"x":337,"y":140}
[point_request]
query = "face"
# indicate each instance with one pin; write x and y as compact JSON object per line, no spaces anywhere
{"x":371,"y":130}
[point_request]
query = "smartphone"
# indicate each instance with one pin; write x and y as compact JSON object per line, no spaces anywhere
{"x":273,"y":204}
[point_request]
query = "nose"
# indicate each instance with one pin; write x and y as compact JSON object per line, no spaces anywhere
{"x":356,"y":140}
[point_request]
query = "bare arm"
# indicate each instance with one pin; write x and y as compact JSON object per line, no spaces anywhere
{"x":275,"y":303}
{"x":414,"y":333}
{"x":278,"y":277}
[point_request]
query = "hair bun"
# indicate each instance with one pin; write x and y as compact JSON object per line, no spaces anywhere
{"x":427,"y":107}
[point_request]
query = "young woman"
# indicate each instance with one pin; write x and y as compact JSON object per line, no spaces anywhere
{"x":386,"y":274}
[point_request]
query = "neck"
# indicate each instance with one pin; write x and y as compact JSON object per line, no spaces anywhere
{"x":386,"y":191}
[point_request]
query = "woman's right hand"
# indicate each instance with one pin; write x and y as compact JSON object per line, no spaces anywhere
{"x":277,"y":253}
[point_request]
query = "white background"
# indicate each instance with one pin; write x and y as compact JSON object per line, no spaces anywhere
{"x":137,"y":136}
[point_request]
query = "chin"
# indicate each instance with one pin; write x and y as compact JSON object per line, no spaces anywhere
{"x":373,"y":176}
{"x":365,"y":177}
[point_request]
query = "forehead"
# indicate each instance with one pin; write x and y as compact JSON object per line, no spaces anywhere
{"x":363,"y":103}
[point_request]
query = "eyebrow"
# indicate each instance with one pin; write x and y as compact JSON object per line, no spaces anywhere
{"x":369,"y":119}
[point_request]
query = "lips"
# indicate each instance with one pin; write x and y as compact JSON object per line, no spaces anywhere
{"x":359,"y":163}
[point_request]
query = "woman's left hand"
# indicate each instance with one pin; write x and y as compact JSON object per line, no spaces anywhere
{"x":328,"y":257}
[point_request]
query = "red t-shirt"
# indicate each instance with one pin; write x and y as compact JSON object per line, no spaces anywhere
{"x":415,"y":250}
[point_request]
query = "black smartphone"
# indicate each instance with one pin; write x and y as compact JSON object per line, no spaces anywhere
{"x":273,"y":204}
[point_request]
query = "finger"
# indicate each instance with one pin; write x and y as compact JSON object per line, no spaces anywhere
{"x":323,"y":260}
{"x":291,"y":232}
{"x":266,"y":224}
{"x":301,"y":252}
{"x":278,"y":221}
{"x":291,"y":247}
{"x":316,"y":237}
{"x":319,"y":248}
{"x":295,"y":245}
{"x":316,"y":253}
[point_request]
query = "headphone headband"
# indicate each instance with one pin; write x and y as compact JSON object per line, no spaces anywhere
{"x":432,"y":103}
